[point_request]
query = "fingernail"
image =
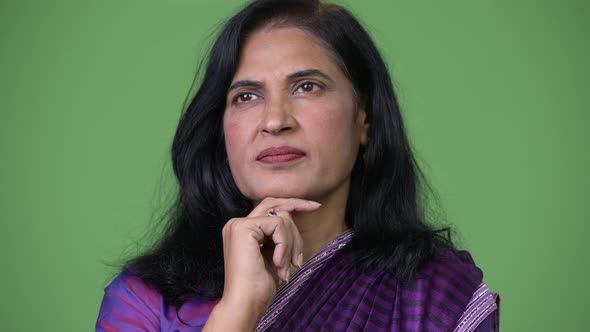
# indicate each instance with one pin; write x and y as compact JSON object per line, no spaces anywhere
{"x":315,"y":204}
{"x":299,"y":260}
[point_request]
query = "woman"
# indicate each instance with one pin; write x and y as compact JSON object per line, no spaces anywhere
{"x":299,"y":197}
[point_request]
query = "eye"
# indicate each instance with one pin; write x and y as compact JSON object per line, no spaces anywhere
{"x":307,"y":87}
{"x":244,"y":97}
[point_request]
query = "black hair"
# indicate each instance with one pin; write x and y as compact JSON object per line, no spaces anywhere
{"x":385,"y":206}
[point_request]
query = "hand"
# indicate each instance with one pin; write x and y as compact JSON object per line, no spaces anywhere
{"x":259,"y":251}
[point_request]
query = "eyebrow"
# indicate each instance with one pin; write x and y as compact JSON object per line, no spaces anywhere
{"x":292,"y":76}
{"x":308,"y":72}
{"x":242,"y":83}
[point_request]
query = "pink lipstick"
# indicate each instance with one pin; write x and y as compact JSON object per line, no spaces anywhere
{"x":281,"y":154}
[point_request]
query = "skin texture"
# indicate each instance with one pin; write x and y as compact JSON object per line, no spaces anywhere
{"x":287,"y":91}
{"x":313,"y":113}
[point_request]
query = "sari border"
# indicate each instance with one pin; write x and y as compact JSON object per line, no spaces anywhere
{"x":299,"y":277}
{"x":482,"y":304}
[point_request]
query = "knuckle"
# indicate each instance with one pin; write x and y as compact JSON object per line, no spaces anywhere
{"x":268,"y":200}
{"x":226,"y":226}
{"x":236,"y":226}
{"x":281,"y":222}
{"x":231,"y":225}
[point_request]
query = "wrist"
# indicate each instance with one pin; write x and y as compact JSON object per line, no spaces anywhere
{"x":232,"y":315}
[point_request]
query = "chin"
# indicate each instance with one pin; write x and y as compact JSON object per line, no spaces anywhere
{"x":280,"y":192}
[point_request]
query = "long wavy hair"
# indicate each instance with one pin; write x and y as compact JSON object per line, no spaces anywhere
{"x":385,"y":206}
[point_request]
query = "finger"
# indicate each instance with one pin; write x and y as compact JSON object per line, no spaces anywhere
{"x":283,"y":241}
{"x":245,"y":229}
{"x":293,"y":258}
{"x":277,"y":230}
{"x":285,"y":258}
{"x":296,"y":245}
{"x":284,"y":204}
{"x":280,"y":229}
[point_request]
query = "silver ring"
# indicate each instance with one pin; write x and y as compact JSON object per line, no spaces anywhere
{"x":271,"y":213}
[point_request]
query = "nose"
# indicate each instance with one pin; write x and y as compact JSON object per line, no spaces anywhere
{"x":277,"y":117}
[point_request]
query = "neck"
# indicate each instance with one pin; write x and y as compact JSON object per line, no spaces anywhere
{"x":320,"y":227}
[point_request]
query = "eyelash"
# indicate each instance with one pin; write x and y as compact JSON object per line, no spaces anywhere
{"x":235,"y":99}
{"x":314,"y":84}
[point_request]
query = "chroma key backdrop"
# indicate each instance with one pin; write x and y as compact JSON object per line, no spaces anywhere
{"x":494,"y":94}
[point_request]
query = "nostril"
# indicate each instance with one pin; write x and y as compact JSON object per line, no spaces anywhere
{"x":277,"y":120}
{"x":275,"y":131}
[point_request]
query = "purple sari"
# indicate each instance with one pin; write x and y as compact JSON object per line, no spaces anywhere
{"x":330,"y":294}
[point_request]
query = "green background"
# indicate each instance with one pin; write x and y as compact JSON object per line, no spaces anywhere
{"x":495,"y":94}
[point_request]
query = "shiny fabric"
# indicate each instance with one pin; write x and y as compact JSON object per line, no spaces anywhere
{"x":130,"y":305}
{"x":343,"y":297}
{"x":335,"y":296}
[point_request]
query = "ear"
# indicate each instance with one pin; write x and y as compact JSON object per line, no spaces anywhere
{"x":361,"y":121}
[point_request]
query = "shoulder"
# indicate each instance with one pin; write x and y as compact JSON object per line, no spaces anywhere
{"x":453,"y":275}
{"x":453,"y":265}
{"x":461,"y":282}
{"x":129,"y":286}
{"x":132,"y":305}
{"x":126,"y":299}
{"x":444,"y":287}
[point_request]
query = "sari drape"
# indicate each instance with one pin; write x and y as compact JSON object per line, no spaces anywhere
{"x":329,"y":293}
{"x":340,"y":296}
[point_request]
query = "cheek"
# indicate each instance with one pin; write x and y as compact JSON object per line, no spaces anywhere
{"x":335,"y":126}
{"x":231,"y":135}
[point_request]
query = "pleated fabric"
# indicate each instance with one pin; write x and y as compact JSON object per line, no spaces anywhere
{"x":342,"y":297}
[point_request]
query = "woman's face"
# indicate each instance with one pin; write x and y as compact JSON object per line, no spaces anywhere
{"x":291,"y":123}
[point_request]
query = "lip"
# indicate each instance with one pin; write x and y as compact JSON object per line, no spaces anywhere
{"x":281,"y":154}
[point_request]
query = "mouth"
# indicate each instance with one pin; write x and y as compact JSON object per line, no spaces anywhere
{"x":281,"y":154}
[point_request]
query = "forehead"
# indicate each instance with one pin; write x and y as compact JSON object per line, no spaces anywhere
{"x":282,"y":50}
